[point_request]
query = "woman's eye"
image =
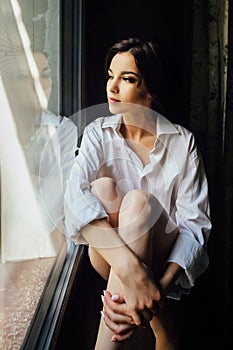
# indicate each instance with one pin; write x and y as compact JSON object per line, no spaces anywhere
{"x":109,"y":77}
{"x":129,"y":79}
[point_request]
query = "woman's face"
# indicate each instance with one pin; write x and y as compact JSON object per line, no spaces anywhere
{"x":44,"y":73}
{"x":125,"y":83}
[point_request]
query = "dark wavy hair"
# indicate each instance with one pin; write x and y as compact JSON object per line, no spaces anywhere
{"x":152,"y":62}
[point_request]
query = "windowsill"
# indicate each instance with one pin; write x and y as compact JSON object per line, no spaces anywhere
{"x":21,"y":286}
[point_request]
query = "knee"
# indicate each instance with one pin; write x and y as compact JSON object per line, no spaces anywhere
{"x":140,"y":207}
{"x":104,"y":188}
{"x":137,"y":201}
{"x":135,"y":216}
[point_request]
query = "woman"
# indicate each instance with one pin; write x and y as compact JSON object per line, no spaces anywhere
{"x":138,"y":196}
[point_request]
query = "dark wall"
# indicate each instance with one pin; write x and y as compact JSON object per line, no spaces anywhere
{"x":105,"y":22}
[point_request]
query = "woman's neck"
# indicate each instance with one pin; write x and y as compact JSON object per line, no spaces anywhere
{"x":137,"y":127}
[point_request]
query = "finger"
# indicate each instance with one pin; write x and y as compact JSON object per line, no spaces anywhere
{"x":116,"y":312}
{"x":117,"y":329}
{"x":118,"y":297}
{"x":116,"y":307}
{"x":152,"y":307}
{"x":136,"y":318}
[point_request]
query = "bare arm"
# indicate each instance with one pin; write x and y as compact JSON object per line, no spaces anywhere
{"x":139,"y":291}
{"x":169,"y":277}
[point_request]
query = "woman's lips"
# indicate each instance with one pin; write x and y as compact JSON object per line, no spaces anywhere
{"x":113,"y":100}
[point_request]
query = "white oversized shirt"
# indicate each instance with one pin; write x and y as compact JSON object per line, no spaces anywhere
{"x":175,"y":175}
{"x":50,"y":156}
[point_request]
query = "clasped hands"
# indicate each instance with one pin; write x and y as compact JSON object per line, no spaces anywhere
{"x":118,"y":317}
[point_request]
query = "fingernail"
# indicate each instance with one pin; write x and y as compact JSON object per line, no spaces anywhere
{"x":102,"y":298}
{"x":115,"y":297}
{"x":114,"y":339}
{"x":104,"y":291}
{"x":102,"y":314}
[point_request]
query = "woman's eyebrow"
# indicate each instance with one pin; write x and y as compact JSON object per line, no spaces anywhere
{"x":127,"y":72}
{"x":130,"y":72}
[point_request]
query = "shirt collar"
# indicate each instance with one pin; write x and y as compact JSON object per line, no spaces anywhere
{"x":164,"y":126}
{"x":113,"y":122}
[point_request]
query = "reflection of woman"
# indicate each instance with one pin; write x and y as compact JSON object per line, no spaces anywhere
{"x":138,"y":195}
{"x":51,"y":150}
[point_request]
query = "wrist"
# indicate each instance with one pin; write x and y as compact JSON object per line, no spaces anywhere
{"x":170,"y":275}
{"x":128,"y":265}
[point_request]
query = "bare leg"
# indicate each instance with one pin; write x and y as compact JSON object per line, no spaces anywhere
{"x":105,"y":190}
{"x":149,"y":240}
{"x":114,"y":286}
{"x":165,"y":330}
{"x":145,"y":234}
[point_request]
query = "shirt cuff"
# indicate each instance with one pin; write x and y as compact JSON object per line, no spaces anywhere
{"x":80,"y":213}
{"x":193,"y":259}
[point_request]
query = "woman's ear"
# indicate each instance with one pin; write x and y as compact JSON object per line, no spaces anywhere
{"x":149,"y":98}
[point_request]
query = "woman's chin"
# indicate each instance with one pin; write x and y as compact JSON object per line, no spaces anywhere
{"x":116,"y":108}
{"x":119,"y":107}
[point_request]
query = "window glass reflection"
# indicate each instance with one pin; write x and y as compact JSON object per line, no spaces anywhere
{"x":37,"y":149}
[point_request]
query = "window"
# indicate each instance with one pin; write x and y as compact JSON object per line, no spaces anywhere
{"x":37,"y":148}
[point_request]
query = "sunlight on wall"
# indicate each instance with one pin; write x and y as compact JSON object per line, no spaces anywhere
{"x":22,"y":224}
{"x":27,"y":224}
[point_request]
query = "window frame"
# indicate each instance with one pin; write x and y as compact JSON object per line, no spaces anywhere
{"x":44,"y":328}
{"x":47,"y":319}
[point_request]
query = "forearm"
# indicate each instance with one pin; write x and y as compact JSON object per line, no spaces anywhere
{"x":170,"y":275}
{"x":103,"y":238}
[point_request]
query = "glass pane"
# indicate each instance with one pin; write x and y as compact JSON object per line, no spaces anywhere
{"x":37,"y":148}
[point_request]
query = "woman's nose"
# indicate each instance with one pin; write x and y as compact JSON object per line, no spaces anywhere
{"x":113,"y":86}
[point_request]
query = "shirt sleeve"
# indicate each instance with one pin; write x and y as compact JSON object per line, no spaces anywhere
{"x":81,"y":206}
{"x":68,"y":139}
{"x":192,"y":215}
{"x":56,"y":162}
